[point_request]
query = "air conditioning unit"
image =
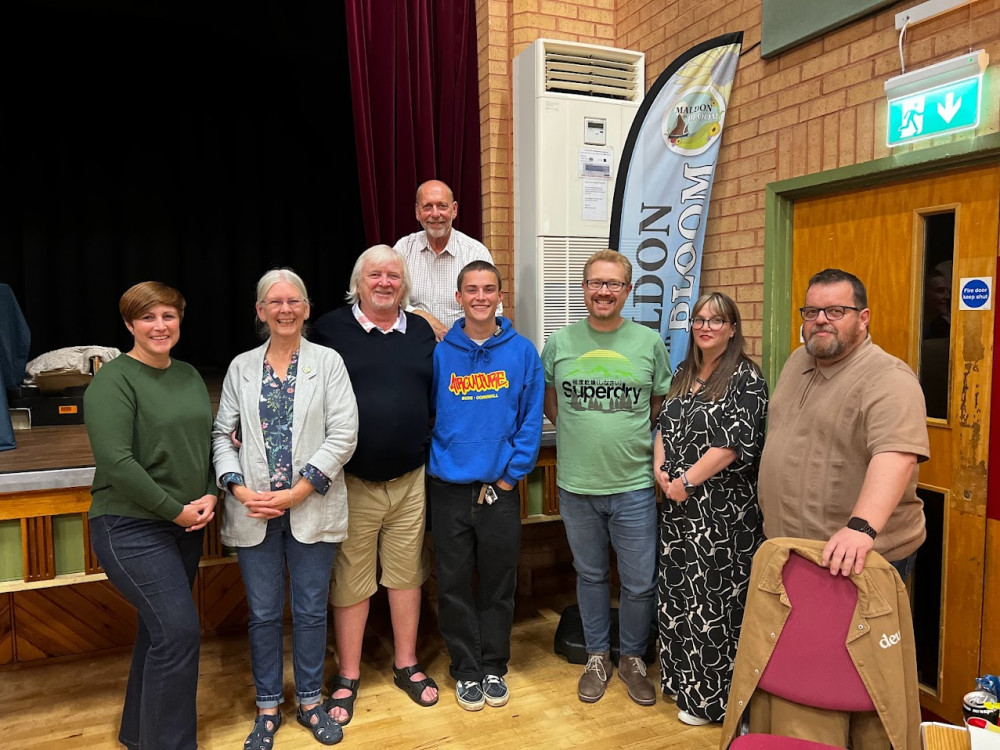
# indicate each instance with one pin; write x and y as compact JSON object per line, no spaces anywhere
{"x":573,"y":107}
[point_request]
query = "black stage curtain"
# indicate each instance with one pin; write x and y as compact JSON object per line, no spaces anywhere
{"x":198,"y":144}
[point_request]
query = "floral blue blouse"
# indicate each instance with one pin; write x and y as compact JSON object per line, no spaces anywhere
{"x":277,"y":400}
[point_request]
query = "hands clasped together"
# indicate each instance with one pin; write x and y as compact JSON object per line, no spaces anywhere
{"x":268,"y":504}
{"x":197,"y":513}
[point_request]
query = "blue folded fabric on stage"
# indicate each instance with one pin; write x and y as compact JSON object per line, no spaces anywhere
{"x":15,"y":338}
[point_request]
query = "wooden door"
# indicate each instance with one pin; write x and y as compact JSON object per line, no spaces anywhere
{"x":881,"y":235}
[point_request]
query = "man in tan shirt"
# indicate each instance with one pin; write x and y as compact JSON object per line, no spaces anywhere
{"x":847,"y":427}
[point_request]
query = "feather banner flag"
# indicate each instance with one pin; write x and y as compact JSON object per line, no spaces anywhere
{"x":664,"y":185}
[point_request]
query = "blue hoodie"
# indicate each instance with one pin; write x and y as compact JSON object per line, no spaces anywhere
{"x":488,"y":400}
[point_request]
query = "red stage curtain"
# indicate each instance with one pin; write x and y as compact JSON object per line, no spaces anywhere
{"x":415,"y":94}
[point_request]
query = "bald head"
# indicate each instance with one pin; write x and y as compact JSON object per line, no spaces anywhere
{"x":436,"y":210}
{"x":436,"y":188}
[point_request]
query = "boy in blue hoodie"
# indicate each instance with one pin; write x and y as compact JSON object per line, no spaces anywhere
{"x":488,"y":391}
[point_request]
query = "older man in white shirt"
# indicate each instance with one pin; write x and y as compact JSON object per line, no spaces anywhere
{"x":435,"y":255}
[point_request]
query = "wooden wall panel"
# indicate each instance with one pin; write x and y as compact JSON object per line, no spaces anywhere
{"x":222,"y":598}
{"x":212,"y":548}
{"x":90,"y":563}
{"x":65,"y":620}
{"x":989,"y":656}
{"x":550,"y":492}
{"x":38,"y":551}
{"x":6,"y":630}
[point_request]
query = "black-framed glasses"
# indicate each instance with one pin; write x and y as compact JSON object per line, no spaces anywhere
{"x":833,"y":312}
{"x":613,"y":286}
{"x":714,"y":324}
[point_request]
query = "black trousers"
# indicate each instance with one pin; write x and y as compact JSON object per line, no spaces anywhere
{"x":475,"y":541}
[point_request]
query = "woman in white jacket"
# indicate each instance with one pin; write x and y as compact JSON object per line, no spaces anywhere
{"x":293,"y":408}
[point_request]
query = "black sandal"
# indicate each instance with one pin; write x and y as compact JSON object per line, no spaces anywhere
{"x":326,"y":730}
{"x":339,"y":682}
{"x":414,"y":689}
{"x":262,"y":738}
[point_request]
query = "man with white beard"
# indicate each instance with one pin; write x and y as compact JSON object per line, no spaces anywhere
{"x":435,"y":255}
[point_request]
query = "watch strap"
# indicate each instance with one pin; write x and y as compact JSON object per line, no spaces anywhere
{"x":860,"y":524}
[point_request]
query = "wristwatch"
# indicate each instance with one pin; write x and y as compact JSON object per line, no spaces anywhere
{"x":688,"y":487}
{"x":860,"y":524}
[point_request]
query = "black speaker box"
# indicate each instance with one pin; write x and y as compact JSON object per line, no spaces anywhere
{"x":569,"y":641}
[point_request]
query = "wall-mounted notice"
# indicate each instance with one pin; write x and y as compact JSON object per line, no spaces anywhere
{"x":975,"y":293}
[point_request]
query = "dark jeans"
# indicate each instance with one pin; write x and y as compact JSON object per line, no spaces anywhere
{"x":153,"y":564}
{"x":472,"y":538}
{"x":905,"y":567}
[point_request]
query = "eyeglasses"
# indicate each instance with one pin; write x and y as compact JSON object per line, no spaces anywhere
{"x":276,"y":304}
{"x":833,"y":312}
{"x":613,"y":286}
{"x":714,"y":324}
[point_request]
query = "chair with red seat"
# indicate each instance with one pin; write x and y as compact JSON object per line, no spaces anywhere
{"x":810,"y":665}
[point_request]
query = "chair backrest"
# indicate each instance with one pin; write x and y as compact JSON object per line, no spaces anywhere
{"x":810,"y":664}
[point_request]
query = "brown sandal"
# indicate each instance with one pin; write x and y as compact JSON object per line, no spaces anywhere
{"x":414,"y":688}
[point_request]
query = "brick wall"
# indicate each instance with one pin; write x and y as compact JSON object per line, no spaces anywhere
{"x":813,"y":108}
{"x":505,"y":28}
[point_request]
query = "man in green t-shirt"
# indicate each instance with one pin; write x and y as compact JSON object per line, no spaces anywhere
{"x":605,"y":379}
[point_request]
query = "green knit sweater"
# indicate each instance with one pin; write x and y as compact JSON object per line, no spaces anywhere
{"x":151,"y":433}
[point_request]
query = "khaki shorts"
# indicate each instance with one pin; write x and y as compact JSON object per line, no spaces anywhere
{"x":385,"y":526}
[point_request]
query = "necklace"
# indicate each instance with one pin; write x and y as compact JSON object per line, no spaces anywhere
{"x":700,"y":382}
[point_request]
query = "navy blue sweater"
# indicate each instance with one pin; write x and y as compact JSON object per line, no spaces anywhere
{"x":391,"y":375}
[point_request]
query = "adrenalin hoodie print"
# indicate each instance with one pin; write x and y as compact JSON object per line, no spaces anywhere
{"x":488,"y":401}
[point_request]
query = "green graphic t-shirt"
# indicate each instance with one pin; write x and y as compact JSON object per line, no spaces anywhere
{"x":603,"y":382}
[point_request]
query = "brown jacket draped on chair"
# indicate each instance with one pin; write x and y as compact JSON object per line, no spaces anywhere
{"x":879,"y":642}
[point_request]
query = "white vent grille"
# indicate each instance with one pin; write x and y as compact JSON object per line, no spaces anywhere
{"x":562,"y":90}
{"x":589,"y":71}
{"x":562,"y":274}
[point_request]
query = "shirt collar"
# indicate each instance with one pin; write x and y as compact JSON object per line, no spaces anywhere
{"x":449,"y":248}
{"x":364,"y":322}
{"x":831,"y":370}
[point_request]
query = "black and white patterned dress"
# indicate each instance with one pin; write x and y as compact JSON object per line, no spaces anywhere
{"x":708,"y":541}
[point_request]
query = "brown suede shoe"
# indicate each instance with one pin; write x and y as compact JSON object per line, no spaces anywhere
{"x":595,"y":677}
{"x":632,"y":672}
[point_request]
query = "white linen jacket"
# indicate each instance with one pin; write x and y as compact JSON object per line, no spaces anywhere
{"x":324,"y":434}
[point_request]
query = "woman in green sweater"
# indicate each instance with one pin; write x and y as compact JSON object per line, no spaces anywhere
{"x":150,"y":421}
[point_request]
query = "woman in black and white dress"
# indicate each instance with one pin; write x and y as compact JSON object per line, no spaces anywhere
{"x":706,"y":452}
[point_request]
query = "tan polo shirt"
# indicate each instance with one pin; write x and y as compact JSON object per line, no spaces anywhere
{"x":824,"y":426}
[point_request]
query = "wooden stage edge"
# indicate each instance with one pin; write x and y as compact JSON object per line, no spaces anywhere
{"x":47,"y":449}
{"x":67,"y":446}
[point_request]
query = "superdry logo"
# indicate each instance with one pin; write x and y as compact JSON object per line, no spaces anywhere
{"x":889,"y":640}
{"x":478,"y":381}
{"x":596,"y":396}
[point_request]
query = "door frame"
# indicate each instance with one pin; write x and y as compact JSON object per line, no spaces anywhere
{"x":779,"y":212}
{"x":778,"y":298}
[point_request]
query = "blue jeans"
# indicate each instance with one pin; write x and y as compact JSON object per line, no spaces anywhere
{"x":475,"y":540}
{"x":905,"y":567}
{"x":309,"y":569}
{"x":153,"y":564}
{"x":628,"y":520}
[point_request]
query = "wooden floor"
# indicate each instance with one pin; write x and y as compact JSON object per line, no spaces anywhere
{"x":77,"y":704}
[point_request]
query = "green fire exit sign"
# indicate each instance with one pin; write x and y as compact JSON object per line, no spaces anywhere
{"x":941,"y":110}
